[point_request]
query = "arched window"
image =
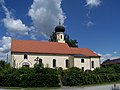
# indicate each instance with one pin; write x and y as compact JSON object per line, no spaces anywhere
{"x":25,"y":56}
{"x":61,"y":36}
{"x":67,"y":63}
{"x":92,"y":64}
{"x":54,"y":62}
{"x":25,"y":64}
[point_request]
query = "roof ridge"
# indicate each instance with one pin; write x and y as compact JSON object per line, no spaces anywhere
{"x":43,"y":41}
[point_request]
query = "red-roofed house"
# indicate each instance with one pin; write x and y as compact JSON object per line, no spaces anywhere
{"x":52,"y":54}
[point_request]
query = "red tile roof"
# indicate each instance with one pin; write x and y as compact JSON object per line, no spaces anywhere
{"x":32,"y":46}
{"x":83,"y":51}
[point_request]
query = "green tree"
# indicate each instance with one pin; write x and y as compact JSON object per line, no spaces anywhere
{"x":72,"y":76}
{"x":2,"y":64}
{"x":104,"y":70}
{"x":53,"y":37}
{"x":70,"y":42}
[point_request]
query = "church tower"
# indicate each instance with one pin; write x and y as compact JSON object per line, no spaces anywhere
{"x":60,"y":33}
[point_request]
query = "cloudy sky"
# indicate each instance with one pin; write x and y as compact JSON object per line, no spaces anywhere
{"x":95,"y":24}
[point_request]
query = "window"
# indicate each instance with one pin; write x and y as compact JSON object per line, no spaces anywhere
{"x":14,"y":63}
{"x":54,"y":63}
{"x":67,"y":63}
{"x":25,"y":56}
{"x":82,"y":68}
{"x":61,"y":36}
{"x":40,"y":61}
{"x":92,"y":64}
{"x":25,"y":64}
{"x":82,"y":60}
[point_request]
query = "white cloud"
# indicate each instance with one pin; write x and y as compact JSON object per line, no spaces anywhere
{"x":92,"y":3}
{"x":13,"y":25}
{"x":33,"y":37}
{"x":45,"y":15}
{"x":89,"y":24}
{"x":5,"y":45}
{"x":115,"y":52}
{"x":108,"y":56}
{"x":7,"y":13}
{"x":88,"y":14}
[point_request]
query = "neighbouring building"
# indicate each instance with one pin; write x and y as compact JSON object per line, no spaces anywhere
{"x":111,"y":62}
{"x":52,"y":54}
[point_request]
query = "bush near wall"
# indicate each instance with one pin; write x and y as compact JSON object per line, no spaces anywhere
{"x":28,"y":77}
{"x":47,"y":77}
{"x":72,"y":76}
{"x":75,"y":77}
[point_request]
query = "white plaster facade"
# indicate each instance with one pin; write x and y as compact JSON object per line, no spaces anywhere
{"x":60,"y":37}
{"x":87,"y":64}
{"x":17,"y":60}
{"x":47,"y":59}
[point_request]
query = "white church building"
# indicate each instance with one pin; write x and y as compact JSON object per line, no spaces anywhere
{"x":52,"y":54}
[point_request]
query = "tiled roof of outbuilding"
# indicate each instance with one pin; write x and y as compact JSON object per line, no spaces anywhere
{"x":111,"y":62}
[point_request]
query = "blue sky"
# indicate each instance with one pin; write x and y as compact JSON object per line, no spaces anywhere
{"x":95,"y":24}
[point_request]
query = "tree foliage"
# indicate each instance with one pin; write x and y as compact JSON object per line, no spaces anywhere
{"x":70,"y":42}
{"x":48,"y":77}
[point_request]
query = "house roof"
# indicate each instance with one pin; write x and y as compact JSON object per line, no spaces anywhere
{"x":110,"y":62}
{"x":32,"y":46}
{"x":83,"y":51}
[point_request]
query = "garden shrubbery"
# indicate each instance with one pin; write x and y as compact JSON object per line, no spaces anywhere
{"x":48,"y":77}
{"x":29,"y":77}
{"x":74,"y":76}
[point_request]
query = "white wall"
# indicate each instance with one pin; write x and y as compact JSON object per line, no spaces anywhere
{"x":47,"y":59}
{"x":96,"y":62}
{"x":60,"y":37}
{"x":86,"y":64}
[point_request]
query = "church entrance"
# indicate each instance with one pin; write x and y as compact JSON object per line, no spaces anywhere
{"x":25,"y":64}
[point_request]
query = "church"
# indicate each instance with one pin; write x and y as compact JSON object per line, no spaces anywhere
{"x":57,"y":54}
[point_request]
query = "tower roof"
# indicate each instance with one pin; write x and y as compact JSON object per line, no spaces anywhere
{"x":59,"y":28}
